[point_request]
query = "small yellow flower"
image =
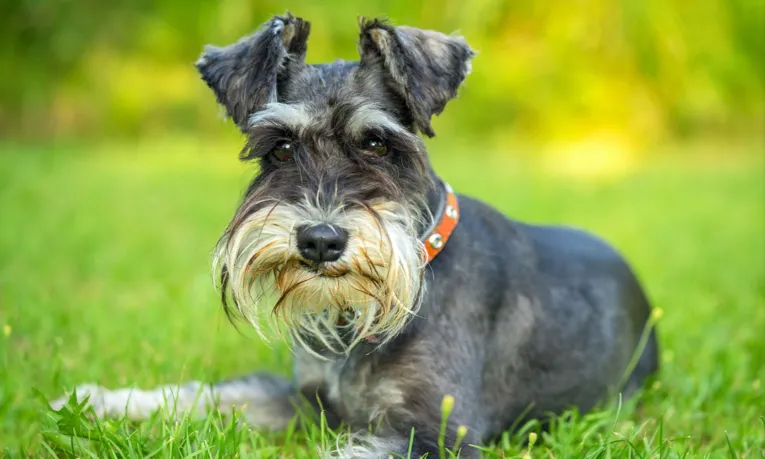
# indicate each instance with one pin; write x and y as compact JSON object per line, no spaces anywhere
{"x":461,"y":432}
{"x":447,"y":405}
{"x":657,"y":313}
{"x":526,"y":456}
{"x":7,"y":330}
{"x":532,"y":439}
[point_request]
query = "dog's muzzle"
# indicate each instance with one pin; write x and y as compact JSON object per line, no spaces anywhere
{"x":338,"y":276}
{"x":312,"y":269}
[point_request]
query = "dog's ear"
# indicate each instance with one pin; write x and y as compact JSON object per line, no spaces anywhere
{"x":425,"y":67}
{"x":247,"y":75}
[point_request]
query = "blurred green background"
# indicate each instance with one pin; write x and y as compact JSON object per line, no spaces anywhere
{"x":627,"y":73}
{"x":640,"y":120}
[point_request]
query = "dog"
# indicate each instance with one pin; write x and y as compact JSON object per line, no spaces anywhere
{"x":399,"y":297}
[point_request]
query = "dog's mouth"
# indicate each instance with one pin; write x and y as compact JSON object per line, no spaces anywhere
{"x":323,"y":269}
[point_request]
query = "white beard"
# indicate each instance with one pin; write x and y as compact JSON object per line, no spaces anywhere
{"x":375,"y":286}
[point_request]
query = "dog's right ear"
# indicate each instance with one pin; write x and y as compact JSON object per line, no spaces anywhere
{"x":246,"y":75}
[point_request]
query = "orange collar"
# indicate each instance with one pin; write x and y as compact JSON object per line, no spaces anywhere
{"x":436,"y":238}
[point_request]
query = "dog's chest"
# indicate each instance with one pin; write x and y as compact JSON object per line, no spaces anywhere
{"x":355,"y":388}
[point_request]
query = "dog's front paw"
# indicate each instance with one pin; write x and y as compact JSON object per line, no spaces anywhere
{"x":104,"y":402}
{"x":364,"y":446}
{"x":94,"y":393}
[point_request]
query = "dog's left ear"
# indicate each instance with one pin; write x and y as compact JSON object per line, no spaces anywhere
{"x":425,"y":67}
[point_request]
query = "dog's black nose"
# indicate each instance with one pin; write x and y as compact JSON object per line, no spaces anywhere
{"x":321,"y":242}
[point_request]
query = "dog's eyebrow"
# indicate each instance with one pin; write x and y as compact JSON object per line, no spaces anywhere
{"x":262,"y":138}
{"x":358,"y":117}
{"x":292,"y":116}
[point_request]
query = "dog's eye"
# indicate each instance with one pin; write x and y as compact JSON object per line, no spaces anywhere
{"x":375,"y":146}
{"x":283,"y":151}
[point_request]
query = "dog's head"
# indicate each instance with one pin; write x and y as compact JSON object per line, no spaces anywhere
{"x":326,"y":238}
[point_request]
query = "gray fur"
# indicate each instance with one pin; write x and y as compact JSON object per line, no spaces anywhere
{"x":425,"y":67}
{"x":517,"y":320}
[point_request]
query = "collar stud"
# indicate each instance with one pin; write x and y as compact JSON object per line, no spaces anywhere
{"x":436,"y":241}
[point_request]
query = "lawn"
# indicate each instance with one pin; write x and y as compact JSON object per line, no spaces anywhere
{"x":104,"y":277}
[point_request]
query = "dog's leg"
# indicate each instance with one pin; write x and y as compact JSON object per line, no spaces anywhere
{"x":439,"y":400}
{"x":265,"y":401}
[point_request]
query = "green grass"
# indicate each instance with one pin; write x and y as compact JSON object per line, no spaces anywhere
{"x":104,"y":277}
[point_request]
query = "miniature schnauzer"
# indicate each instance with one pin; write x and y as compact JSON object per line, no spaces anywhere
{"x":393,"y":291}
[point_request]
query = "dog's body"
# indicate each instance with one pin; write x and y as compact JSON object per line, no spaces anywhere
{"x":514,"y":321}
